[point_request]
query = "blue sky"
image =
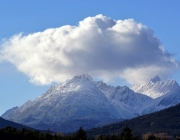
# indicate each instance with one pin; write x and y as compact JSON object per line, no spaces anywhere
{"x":162,"y":17}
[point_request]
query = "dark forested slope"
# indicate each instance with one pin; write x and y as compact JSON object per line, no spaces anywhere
{"x":5,"y":123}
{"x":166,"y":121}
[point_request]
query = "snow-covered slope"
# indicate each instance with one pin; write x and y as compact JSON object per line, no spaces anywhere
{"x":155,"y":88}
{"x":128,"y":103}
{"x":165,"y":101}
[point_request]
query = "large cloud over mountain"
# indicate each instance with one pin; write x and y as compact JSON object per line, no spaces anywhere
{"x":101,"y":46}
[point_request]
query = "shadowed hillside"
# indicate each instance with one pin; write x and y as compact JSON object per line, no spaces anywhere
{"x":166,"y":121}
{"x":5,"y":123}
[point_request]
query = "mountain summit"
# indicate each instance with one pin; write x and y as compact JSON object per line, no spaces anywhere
{"x":155,"y":79}
{"x":81,"y":101}
{"x":156,"y":88}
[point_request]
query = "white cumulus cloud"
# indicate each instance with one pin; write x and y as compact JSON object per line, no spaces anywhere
{"x":100,"y":46}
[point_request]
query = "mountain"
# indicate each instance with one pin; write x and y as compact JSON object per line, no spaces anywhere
{"x":66,"y":107}
{"x":77,"y":102}
{"x":164,"y":121}
{"x":81,"y":101}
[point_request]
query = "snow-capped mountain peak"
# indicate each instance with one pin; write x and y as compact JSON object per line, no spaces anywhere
{"x":84,"y":76}
{"x":73,"y":84}
{"x":155,"y":79}
{"x":156,"y":88}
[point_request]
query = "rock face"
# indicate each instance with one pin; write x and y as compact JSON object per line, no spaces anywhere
{"x":81,"y":101}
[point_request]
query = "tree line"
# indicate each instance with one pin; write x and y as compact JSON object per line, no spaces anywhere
{"x":10,"y":133}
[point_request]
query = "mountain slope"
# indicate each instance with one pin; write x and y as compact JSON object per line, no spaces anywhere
{"x":164,"y":121}
{"x":128,"y":103}
{"x":165,"y":101}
